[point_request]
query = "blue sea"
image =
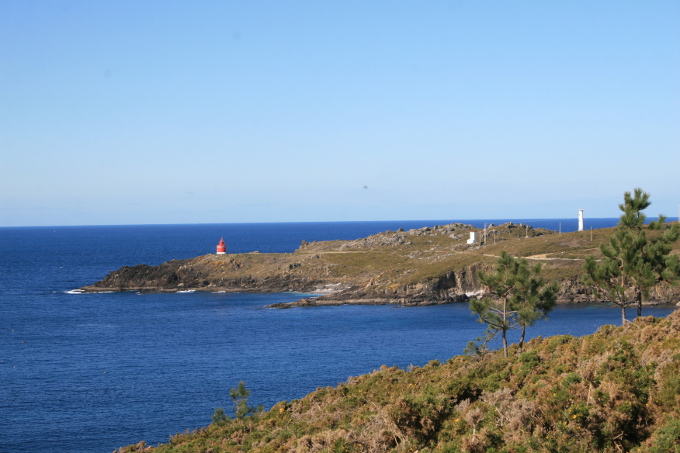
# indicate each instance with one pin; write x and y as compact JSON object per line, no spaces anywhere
{"x":94,"y":372}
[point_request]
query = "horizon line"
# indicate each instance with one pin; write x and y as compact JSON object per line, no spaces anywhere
{"x":523,"y":219}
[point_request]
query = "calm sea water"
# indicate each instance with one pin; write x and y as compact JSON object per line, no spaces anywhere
{"x":93,"y":372}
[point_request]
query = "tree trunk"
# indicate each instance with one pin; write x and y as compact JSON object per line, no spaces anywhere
{"x":505,"y":344}
{"x":505,"y":326}
{"x":623,"y":315}
{"x":521,"y":339}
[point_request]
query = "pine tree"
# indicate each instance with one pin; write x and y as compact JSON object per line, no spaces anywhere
{"x":520,"y":297}
{"x":240,"y":397}
{"x":536,"y":301}
{"x":632,"y":263}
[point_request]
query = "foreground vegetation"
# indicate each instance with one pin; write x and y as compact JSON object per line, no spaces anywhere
{"x":616,"y":390}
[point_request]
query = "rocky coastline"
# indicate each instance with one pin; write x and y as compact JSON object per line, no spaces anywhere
{"x":416,"y":267}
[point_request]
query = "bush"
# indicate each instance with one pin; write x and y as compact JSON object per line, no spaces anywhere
{"x":667,"y":439}
{"x":219,"y":416}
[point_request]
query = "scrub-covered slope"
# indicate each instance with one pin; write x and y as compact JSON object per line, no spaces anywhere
{"x":617,"y":390}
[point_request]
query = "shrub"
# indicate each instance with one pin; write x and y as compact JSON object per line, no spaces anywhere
{"x":219,"y":416}
{"x":667,"y":439}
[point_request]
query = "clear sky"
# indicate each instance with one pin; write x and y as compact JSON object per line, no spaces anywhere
{"x":134,"y":112}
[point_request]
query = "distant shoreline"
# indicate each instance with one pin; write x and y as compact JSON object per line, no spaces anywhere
{"x":421,"y":266}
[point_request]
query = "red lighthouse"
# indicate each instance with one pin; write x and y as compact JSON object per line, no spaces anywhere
{"x":222,"y":247}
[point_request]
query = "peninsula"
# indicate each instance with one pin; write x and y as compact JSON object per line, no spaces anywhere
{"x":431,"y":265}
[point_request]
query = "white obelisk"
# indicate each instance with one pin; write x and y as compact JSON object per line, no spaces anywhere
{"x":580,"y":219}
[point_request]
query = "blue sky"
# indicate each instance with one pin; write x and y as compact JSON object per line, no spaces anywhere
{"x":132,"y":112}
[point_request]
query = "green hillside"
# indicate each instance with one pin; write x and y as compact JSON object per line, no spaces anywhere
{"x":614,"y":391}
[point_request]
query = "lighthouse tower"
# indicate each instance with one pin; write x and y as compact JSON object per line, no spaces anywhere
{"x":222,"y":247}
{"x":580,"y":219}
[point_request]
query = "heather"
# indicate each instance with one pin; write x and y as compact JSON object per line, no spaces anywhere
{"x":616,"y":390}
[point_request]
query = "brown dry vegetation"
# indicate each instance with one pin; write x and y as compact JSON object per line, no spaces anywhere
{"x":617,"y":390}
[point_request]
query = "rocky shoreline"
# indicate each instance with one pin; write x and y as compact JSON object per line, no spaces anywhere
{"x":418,"y":267}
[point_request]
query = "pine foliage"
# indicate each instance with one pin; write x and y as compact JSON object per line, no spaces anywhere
{"x":239,"y":396}
{"x":632,"y":262}
{"x":520,"y":297}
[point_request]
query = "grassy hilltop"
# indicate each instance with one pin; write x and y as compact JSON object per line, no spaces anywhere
{"x":616,"y":390}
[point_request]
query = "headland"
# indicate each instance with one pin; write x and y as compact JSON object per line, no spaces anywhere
{"x":431,"y":265}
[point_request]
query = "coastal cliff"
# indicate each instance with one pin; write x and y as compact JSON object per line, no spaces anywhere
{"x":416,"y":267}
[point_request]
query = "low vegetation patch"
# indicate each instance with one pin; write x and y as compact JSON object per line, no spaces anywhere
{"x":614,"y":391}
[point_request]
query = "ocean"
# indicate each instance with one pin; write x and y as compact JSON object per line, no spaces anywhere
{"x":94,"y":372}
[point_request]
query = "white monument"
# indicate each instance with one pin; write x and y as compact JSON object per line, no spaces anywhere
{"x":473,"y":237}
{"x":580,"y":219}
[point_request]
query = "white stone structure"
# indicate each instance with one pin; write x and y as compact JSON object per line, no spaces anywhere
{"x":473,"y":237}
{"x":580,"y":219}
